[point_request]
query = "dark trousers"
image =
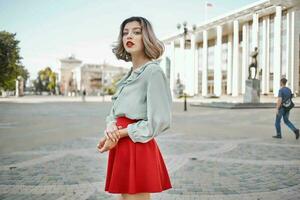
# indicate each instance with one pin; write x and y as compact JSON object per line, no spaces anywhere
{"x":285,"y":115}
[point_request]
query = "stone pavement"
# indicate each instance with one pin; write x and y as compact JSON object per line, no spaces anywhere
{"x":44,"y":99}
{"x":202,"y":165}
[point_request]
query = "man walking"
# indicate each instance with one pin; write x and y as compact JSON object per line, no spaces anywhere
{"x":83,"y":95}
{"x":284,"y":94}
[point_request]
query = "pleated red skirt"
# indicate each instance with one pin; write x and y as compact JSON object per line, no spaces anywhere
{"x":135,"y":167}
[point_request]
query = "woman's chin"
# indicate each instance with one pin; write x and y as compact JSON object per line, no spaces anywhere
{"x":130,"y":51}
{"x":134,"y":52}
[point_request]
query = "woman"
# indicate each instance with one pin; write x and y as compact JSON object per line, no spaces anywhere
{"x":141,"y":110}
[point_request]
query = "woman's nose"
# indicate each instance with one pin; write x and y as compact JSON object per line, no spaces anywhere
{"x":129,"y":35}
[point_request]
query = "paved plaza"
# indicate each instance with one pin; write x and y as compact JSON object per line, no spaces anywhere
{"x":48,"y":151}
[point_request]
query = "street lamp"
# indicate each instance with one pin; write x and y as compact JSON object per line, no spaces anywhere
{"x":185,"y":32}
{"x":186,"y":40}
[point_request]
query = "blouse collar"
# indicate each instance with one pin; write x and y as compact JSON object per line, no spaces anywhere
{"x":133,"y":74}
{"x":141,"y":68}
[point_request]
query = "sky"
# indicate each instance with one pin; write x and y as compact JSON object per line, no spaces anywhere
{"x":49,"y":30}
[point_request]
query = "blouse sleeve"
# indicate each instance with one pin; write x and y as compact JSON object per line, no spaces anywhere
{"x":159,"y":102}
{"x":110,"y":119}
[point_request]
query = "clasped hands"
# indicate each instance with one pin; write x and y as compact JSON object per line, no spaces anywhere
{"x":111,"y":138}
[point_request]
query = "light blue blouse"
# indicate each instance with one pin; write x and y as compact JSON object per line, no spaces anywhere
{"x":143,"y":94}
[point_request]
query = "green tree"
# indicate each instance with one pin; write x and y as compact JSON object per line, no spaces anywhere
{"x":10,"y":61}
{"x":46,"y":80}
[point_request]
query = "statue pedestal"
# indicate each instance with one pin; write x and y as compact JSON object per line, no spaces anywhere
{"x":252,"y":93}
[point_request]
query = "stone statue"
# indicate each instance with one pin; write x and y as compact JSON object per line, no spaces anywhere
{"x":253,"y":63}
{"x":179,"y":87}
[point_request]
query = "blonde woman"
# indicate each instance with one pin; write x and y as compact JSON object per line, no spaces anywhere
{"x":141,"y":110}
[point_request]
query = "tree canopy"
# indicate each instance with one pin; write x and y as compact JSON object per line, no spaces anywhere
{"x":46,"y":80}
{"x":10,"y":61}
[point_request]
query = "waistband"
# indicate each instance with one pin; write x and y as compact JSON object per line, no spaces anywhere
{"x":124,"y":121}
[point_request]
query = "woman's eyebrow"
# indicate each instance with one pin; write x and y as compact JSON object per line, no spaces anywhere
{"x":126,"y":29}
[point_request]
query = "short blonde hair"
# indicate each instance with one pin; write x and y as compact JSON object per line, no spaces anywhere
{"x":154,"y":48}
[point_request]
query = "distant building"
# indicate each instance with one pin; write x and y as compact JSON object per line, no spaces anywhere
{"x":213,"y":58}
{"x":93,"y":77}
{"x":68,"y":65}
{"x":78,"y":76}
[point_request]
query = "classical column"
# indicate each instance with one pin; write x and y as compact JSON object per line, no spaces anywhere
{"x":172,"y":67}
{"x":182,"y":62}
{"x":268,"y":55}
{"x":235,"y":73}
{"x":192,"y":70}
{"x":288,"y":51}
{"x":229,"y":65}
{"x":277,"y":51}
{"x":218,"y":63}
{"x":195,"y":64}
{"x":204,"y":64}
{"x":254,"y":31}
{"x":245,"y":63}
{"x":264,"y":53}
{"x":294,"y":49}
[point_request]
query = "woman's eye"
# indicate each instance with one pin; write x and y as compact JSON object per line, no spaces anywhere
{"x":137,"y":32}
{"x":125,"y":33}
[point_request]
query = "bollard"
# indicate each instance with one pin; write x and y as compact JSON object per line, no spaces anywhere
{"x":185,"y":107}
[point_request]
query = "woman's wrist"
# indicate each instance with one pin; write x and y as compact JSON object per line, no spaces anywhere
{"x":123,"y":132}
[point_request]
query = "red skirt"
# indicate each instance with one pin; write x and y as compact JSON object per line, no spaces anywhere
{"x":135,"y":167}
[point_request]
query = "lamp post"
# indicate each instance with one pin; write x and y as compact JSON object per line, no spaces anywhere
{"x":185,"y":32}
{"x":186,"y":40}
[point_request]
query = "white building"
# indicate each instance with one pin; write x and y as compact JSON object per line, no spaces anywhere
{"x":213,"y":58}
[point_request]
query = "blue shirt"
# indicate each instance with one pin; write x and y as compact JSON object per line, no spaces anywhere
{"x":285,"y":93}
{"x":143,"y":94}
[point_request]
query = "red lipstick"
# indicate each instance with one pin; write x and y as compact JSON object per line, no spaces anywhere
{"x":129,"y":44}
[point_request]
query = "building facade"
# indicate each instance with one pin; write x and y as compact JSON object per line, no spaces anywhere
{"x":94,"y":77}
{"x":213,"y":58}
{"x":77,"y":76}
{"x":67,"y":67}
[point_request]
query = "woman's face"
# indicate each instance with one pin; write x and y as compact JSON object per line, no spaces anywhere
{"x":132,"y":38}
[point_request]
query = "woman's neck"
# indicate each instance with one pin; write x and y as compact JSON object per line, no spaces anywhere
{"x":138,"y":60}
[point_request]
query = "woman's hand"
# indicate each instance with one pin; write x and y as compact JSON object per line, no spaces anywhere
{"x":101,"y":143}
{"x":108,"y":144}
{"x":112,"y":132}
